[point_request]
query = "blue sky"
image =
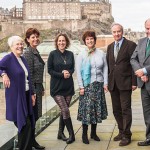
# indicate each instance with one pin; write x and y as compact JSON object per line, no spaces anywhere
{"x":130,"y":13}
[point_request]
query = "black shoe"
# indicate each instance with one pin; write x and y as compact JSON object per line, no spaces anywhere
{"x":125,"y":141}
{"x":69,"y":126}
{"x":95,"y":137}
{"x":37,"y":146}
{"x":118,"y":137}
{"x":61,"y":135}
{"x":93,"y":132}
{"x":85,"y":139}
{"x":84,"y":134}
{"x":144,"y":143}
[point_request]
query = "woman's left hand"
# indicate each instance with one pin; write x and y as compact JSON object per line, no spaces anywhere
{"x":134,"y":87}
{"x":66,"y":74}
{"x":105,"y":88}
{"x":33,"y":99}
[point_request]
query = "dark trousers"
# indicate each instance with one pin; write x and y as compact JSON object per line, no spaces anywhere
{"x":121,"y":103}
{"x":24,"y":137}
{"x":145,"y":95}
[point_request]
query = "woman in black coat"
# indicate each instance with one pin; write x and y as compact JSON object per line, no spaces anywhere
{"x":61,"y":68}
{"x":36,"y":67}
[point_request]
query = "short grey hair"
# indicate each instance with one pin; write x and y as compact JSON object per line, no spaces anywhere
{"x":13,"y":39}
{"x":113,"y":24}
{"x":147,"y":20}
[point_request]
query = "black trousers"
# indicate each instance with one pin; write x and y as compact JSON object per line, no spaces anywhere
{"x":24,"y":137}
{"x":145,"y":95}
{"x":121,"y":103}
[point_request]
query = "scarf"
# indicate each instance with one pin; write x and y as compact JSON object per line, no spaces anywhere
{"x":91,"y":50}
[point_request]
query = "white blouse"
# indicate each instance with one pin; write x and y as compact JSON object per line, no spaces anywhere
{"x":26,"y":73}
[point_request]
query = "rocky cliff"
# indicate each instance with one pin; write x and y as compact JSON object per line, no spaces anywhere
{"x":49,"y":30}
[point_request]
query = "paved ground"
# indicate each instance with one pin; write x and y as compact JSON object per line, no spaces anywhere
{"x":106,"y":131}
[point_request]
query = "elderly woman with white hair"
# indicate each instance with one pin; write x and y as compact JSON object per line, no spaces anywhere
{"x":19,"y":98}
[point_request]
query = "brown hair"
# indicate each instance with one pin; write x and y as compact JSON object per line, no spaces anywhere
{"x":29,"y":32}
{"x":89,"y":34}
{"x":66,"y":38}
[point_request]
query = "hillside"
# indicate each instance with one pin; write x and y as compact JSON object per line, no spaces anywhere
{"x":50,"y":34}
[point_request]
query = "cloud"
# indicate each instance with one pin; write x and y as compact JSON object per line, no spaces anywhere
{"x":10,"y":3}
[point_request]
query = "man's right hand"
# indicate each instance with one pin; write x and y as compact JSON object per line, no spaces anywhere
{"x":139,"y":73}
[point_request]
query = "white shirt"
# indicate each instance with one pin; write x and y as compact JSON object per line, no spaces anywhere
{"x":26,"y":73}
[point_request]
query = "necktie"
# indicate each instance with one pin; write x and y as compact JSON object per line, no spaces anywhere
{"x":116,"y":50}
{"x":148,"y":48}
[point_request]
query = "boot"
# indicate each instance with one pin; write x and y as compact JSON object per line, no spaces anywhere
{"x":84,"y":134}
{"x":61,"y":134}
{"x":93,"y":132}
{"x":69,"y":126}
{"x":35,"y":144}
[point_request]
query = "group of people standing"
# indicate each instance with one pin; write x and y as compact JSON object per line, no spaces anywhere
{"x":119,"y":71}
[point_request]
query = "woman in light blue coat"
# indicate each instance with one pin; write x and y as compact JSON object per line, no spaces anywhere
{"x":92,"y":75}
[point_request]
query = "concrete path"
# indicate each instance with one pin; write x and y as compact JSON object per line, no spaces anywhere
{"x":106,"y":131}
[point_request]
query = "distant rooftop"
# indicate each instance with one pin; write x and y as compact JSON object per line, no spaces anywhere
{"x":47,"y":46}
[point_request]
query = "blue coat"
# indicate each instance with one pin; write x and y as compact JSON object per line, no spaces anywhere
{"x":16,"y":103}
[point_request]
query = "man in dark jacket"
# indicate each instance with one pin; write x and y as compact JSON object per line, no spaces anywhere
{"x":121,"y":82}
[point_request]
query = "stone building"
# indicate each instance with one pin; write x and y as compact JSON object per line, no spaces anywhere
{"x":17,"y":13}
{"x":51,"y":9}
{"x":47,"y":10}
{"x":95,"y":10}
{"x":71,"y":15}
{"x":66,"y":9}
{"x":4,"y":14}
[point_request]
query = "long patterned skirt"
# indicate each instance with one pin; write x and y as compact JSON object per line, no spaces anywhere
{"x":92,"y":105}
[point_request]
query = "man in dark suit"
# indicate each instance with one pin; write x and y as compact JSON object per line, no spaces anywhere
{"x":121,"y":82}
{"x":140,"y":62}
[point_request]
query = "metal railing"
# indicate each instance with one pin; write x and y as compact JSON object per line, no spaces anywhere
{"x":50,"y":111}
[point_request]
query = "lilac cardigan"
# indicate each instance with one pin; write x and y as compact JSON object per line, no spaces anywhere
{"x":16,"y":104}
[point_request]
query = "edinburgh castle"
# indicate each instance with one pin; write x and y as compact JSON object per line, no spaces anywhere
{"x":72,"y":15}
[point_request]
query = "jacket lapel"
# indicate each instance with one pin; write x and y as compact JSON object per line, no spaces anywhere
{"x":112,"y":52}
